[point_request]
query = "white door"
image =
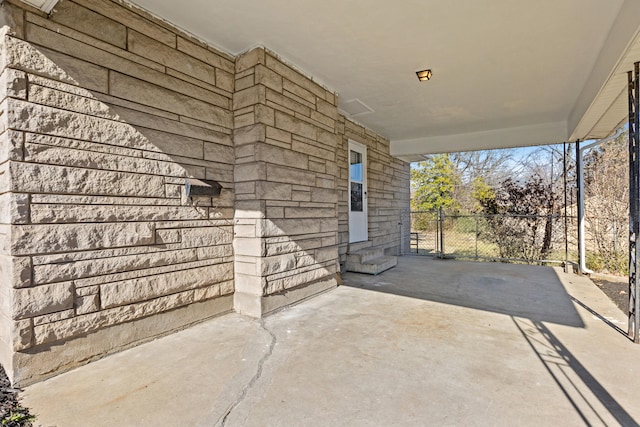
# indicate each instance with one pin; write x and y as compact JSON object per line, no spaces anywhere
{"x":358,"y":225}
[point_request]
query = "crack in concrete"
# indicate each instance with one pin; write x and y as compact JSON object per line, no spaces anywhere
{"x":254,"y":379}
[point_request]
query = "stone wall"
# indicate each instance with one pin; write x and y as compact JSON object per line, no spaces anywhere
{"x":286,"y":200}
{"x":106,"y":111}
{"x":388,"y":191}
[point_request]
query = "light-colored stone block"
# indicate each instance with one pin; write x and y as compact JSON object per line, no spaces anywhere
{"x":53,"y":214}
{"x":313,"y":149}
{"x":43,"y":239}
{"x":243,"y":120}
{"x":71,"y":270}
{"x":250,"y":96}
{"x":205,"y":55}
{"x":324,"y":195}
{"x":54,"y":317}
{"x":242,"y":83}
{"x":206,"y":236}
{"x":281,"y":156}
{"x":276,"y":264}
{"x":130,"y":18}
{"x":45,"y":120}
{"x":293,"y":227}
{"x":89,"y":22}
{"x":11,"y":145}
{"x":300,"y":92}
{"x":250,"y":59}
{"x":24,"y":56}
{"x":299,"y":277}
{"x":272,"y":190}
{"x":79,"y":104}
{"x":16,"y":271}
{"x":145,"y":288}
{"x":14,"y":82}
{"x":214,"y":252}
{"x":22,"y":334}
{"x":87,"y":304}
{"x":225,"y":80}
{"x":248,"y":246}
{"x":144,"y":93}
{"x":14,"y":208}
{"x":167,"y":56}
{"x":289,"y":175}
{"x":254,"y":171}
{"x":39,"y":300}
{"x":287,"y":72}
{"x":218,"y":153}
{"x":292,"y":212}
{"x":267,"y":77}
{"x":35,"y":178}
{"x":64,"y":156}
{"x":249,"y":135}
{"x":167,"y":236}
{"x":296,"y":126}
{"x":264,"y":114}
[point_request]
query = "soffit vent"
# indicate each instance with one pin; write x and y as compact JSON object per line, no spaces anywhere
{"x":355,"y":107}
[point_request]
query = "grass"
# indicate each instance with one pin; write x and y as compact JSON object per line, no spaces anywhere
{"x":461,"y":242}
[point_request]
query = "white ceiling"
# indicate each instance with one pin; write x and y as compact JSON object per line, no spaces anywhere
{"x":505,"y":72}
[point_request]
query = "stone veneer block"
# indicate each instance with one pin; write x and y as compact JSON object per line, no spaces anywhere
{"x":39,"y":300}
{"x":42,"y":239}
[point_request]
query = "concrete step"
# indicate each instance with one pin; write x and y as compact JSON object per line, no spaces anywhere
{"x":355,"y":247}
{"x":371,"y":266}
{"x":366,"y":255}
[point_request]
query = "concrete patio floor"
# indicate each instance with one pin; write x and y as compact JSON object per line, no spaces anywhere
{"x":429,"y":342}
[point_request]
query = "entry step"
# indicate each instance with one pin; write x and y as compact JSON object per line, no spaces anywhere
{"x":370,"y":261}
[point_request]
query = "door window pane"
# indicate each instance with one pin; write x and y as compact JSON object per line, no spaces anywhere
{"x":356,"y":197}
{"x":355,"y":168}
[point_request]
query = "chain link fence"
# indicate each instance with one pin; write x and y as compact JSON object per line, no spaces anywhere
{"x":533,"y":239}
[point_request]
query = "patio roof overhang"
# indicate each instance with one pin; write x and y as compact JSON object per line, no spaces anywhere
{"x":505,"y":73}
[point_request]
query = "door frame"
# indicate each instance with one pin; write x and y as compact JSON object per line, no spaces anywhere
{"x":364,"y":215}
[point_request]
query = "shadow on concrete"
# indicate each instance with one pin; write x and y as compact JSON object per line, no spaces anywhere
{"x":590,"y":399}
{"x":606,"y":321}
{"x":530,"y":295}
{"x":531,"y":292}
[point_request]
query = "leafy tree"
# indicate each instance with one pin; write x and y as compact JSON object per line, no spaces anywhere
{"x":481,"y":192}
{"x":433,"y":183}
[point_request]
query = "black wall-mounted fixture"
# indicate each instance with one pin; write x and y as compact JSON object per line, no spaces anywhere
{"x":202,"y":187}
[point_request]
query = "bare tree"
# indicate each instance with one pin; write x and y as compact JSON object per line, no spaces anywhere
{"x":492,"y":166}
{"x":520,"y":216}
{"x":606,"y":204}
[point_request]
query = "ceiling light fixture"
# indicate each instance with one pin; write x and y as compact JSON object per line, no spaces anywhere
{"x":424,"y":75}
